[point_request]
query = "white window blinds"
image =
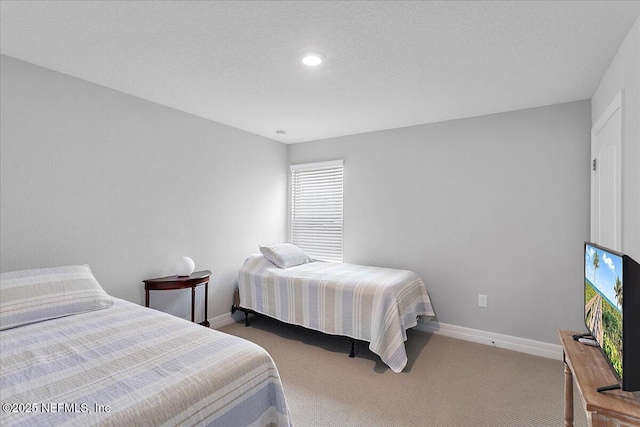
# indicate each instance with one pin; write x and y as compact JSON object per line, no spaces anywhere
{"x":316,"y":209}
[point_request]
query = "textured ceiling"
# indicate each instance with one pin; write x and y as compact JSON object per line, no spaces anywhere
{"x":388,"y":64}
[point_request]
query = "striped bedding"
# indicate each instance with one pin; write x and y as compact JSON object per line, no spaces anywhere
{"x":131,"y":366}
{"x":372,"y":304}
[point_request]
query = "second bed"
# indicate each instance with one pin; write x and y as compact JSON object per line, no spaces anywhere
{"x":366,"y":303}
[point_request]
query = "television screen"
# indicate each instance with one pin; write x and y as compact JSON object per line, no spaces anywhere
{"x":603,"y":285}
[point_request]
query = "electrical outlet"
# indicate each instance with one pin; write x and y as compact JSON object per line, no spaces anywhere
{"x":482,"y":301}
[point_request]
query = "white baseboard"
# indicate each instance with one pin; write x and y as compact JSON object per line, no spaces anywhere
{"x":220,"y":321}
{"x":523,"y":345}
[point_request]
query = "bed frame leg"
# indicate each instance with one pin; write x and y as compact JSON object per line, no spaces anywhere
{"x":353,"y":345}
{"x":246,"y":318}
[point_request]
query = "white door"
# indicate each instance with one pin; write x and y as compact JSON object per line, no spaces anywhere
{"x":606,"y":178}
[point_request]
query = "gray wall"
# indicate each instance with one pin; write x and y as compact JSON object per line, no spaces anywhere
{"x":495,"y":205}
{"x":624,"y":75}
{"x":91,"y":175}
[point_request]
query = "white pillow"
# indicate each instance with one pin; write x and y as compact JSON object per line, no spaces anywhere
{"x":285,"y":255}
{"x":31,"y":296}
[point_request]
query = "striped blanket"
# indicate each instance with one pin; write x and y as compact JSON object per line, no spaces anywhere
{"x":372,"y":304}
{"x":131,"y":366}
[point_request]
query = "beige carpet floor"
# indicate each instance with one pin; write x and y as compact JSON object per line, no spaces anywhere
{"x":447,"y":382}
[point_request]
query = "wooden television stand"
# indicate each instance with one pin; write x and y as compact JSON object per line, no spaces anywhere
{"x":614,"y":408}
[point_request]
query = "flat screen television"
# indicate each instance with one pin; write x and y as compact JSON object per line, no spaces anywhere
{"x":614,"y":321}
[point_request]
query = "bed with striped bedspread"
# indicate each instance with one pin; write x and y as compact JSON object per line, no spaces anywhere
{"x":130,"y":365}
{"x":366,"y":303}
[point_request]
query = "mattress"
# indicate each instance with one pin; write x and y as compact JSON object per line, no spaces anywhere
{"x":367,"y":303}
{"x":130,"y":365}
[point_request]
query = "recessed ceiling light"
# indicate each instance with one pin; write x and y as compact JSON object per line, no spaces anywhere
{"x":312,"y":59}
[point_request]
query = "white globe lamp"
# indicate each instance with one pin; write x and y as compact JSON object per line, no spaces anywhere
{"x":184,"y":266}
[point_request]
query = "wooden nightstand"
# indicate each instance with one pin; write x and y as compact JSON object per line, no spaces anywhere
{"x":182,"y":282}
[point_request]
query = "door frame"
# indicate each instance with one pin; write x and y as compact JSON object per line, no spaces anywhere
{"x":614,"y":106}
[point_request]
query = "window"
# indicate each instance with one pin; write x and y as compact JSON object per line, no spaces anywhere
{"x":316,"y":209}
